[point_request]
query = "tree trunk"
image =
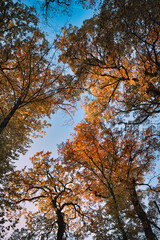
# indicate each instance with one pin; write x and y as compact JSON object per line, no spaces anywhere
{"x":9,"y":116}
{"x":61,"y":225}
{"x":60,"y":220}
{"x":141,"y":214}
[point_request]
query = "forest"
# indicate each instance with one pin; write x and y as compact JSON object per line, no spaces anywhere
{"x":105,"y":182}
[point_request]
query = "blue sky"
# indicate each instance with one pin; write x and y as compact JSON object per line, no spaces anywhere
{"x":62,"y":125}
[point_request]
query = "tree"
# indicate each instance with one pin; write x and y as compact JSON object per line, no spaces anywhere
{"x":111,"y":164}
{"x":117,"y":53}
{"x":53,"y":190}
{"x":31,"y":86}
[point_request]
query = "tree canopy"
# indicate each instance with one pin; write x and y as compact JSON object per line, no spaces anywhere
{"x":54,"y":190}
{"x":112,"y":165}
{"x":117,"y":53}
{"x":105,"y":182}
{"x":32,"y":87}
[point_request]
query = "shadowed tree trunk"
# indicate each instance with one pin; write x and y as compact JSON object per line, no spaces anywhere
{"x":60,"y":220}
{"x":61,"y":225}
{"x":141,"y":214}
{"x":9,"y":116}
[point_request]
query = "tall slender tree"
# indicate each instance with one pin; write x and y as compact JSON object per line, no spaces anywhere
{"x":112,"y":164}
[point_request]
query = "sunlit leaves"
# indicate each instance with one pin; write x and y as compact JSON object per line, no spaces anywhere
{"x":117,"y":53}
{"x":53,"y":190}
{"x":111,"y":163}
{"x":32,"y":87}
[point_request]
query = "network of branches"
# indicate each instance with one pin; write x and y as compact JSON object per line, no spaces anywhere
{"x":105,"y":182}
